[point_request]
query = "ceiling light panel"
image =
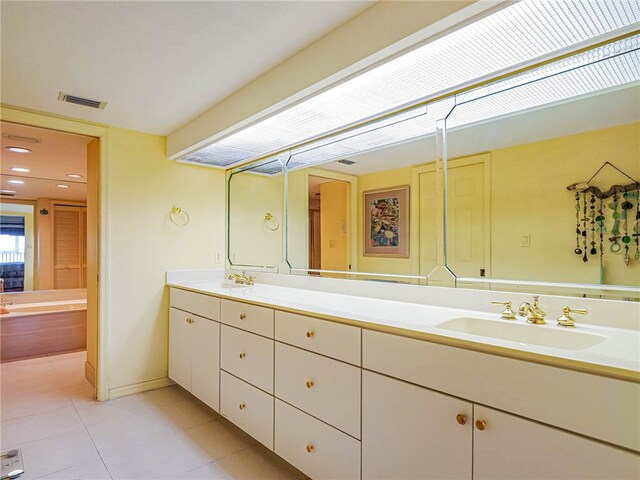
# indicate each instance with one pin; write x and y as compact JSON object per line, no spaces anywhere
{"x":512,"y":36}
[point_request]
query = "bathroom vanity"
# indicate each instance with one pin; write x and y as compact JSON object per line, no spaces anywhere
{"x":344,"y":386}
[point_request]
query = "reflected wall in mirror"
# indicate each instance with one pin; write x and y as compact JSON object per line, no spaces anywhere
{"x":256,"y":216}
{"x":43,"y":218}
{"x":510,"y":214}
{"x":331,"y":194}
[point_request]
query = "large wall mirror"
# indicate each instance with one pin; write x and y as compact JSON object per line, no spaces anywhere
{"x":477,"y":184}
{"x":255,"y":207}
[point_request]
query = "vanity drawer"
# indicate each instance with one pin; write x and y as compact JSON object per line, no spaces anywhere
{"x":335,"y":340}
{"x":248,"y":317}
{"x":203,"y":305}
{"x":325,"y":388}
{"x":247,"y":356}
{"x":314,"y":447}
{"x":247,"y":407}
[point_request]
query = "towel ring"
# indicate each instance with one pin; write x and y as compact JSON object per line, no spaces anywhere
{"x":184,"y":216}
{"x":270,"y":222}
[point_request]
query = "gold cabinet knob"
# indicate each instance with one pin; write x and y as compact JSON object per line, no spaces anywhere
{"x":242,"y":316}
{"x":310,"y":447}
{"x":481,"y":425}
{"x":189,"y":320}
{"x":461,"y":419}
{"x":242,"y":355}
{"x":310,"y":333}
{"x":242,"y":406}
{"x":309,"y":383}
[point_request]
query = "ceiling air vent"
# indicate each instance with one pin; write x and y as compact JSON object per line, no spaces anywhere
{"x":85,"y":102}
{"x":8,"y":193}
{"x":346,"y":162}
{"x":20,"y":138}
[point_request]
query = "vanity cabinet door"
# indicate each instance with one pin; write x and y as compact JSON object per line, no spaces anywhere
{"x":180,"y":347}
{"x":410,"y":432}
{"x":509,"y":447}
{"x":205,"y":361}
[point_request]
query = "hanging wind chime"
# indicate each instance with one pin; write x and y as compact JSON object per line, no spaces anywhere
{"x":591,"y":219}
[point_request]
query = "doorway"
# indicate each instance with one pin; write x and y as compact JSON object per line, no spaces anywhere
{"x":329,"y":229}
{"x":49,"y":214}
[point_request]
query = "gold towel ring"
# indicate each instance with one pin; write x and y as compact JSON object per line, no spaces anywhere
{"x":175,"y":211}
{"x":270,"y":222}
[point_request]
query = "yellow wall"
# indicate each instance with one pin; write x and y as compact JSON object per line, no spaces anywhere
{"x":529,"y":196}
{"x":335,"y":231}
{"x":251,"y":242}
{"x":6,"y":208}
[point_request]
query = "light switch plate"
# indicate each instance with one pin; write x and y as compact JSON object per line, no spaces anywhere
{"x":12,"y":466}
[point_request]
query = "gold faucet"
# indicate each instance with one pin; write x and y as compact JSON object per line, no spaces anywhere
{"x":566,"y":320}
{"x":242,"y":279}
{"x":533,"y":312}
{"x":507,"y":313}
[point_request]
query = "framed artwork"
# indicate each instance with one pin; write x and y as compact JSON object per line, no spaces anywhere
{"x":386,"y":222}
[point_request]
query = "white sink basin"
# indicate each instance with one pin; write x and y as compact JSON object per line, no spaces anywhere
{"x":559,"y":337}
{"x":232,"y":285}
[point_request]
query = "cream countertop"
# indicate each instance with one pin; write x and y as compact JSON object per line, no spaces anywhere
{"x":618,"y":356}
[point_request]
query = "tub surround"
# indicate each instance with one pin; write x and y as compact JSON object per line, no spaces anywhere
{"x":405,"y":311}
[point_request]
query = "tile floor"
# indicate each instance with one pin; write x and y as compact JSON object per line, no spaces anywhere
{"x":48,"y":409}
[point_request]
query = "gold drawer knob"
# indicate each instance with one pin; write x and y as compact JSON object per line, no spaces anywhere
{"x":242,"y":406}
{"x":310,"y":333}
{"x":461,"y":419}
{"x":309,"y":383}
{"x":481,"y":425}
{"x":189,"y":320}
{"x":242,"y":355}
{"x":242,"y":316}
{"x":310,"y":447}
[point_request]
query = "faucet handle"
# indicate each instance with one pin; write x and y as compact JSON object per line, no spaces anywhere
{"x":507,"y":313}
{"x":566,"y":320}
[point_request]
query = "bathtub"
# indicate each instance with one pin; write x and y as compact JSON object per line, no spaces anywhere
{"x":34,"y":328}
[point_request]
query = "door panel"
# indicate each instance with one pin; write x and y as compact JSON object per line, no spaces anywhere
{"x":205,"y":361}
{"x":180,"y":348}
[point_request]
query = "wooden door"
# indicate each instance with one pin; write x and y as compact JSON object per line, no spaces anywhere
{"x":180,"y":347}
{"x":513,"y":448}
{"x":466,"y":218}
{"x":334,"y":228}
{"x":69,"y":252}
{"x":205,"y":361}
{"x":410,"y":432}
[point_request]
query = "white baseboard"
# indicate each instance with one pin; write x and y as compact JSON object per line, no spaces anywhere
{"x":90,"y":373}
{"x":139,"y":387}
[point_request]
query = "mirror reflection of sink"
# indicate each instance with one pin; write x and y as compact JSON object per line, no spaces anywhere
{"x":523,"y":333}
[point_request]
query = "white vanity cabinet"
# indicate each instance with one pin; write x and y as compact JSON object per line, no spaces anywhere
{"x":413,"y":433}
{"x":194,"y":345}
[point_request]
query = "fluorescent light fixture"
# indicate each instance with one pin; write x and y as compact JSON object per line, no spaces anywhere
{"x":18,"y":182}
{"x":60,"y":185}
{"x":20,"y":169}
{"x":74,"y":175}
{"x":520,"y":34}
{"x":18,"y":150}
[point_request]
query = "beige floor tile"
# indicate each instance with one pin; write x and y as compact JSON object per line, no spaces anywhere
{"x":211,"y":471}
{"x":188,"y":413}
{"x":154,"y":456}
{"x":93,"y":470}
{"x":219,"y":438}
{"x":36,"y":427}
{"x":13,"y":407}
{"x":61,"y":452}
{"x":258,"y":463}
{"x":166,"y":395}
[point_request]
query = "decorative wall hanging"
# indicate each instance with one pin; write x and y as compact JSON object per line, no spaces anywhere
{"x":386,"y":222}
{"x":589,"y":220}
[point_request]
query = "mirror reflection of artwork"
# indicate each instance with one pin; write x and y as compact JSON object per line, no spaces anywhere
{"x":386,"y":222}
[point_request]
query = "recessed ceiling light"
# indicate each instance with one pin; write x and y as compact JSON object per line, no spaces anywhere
{"x":18,"y":150}
{"x":15,"y":181}
{"x":74,"y":175}
{"x":20,"y":169}
{"x":7,"y":192}
{"x":62,"y":186}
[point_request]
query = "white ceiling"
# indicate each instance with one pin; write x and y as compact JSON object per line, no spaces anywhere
{"x":157,"y":64}
{"x":54,"y":156}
